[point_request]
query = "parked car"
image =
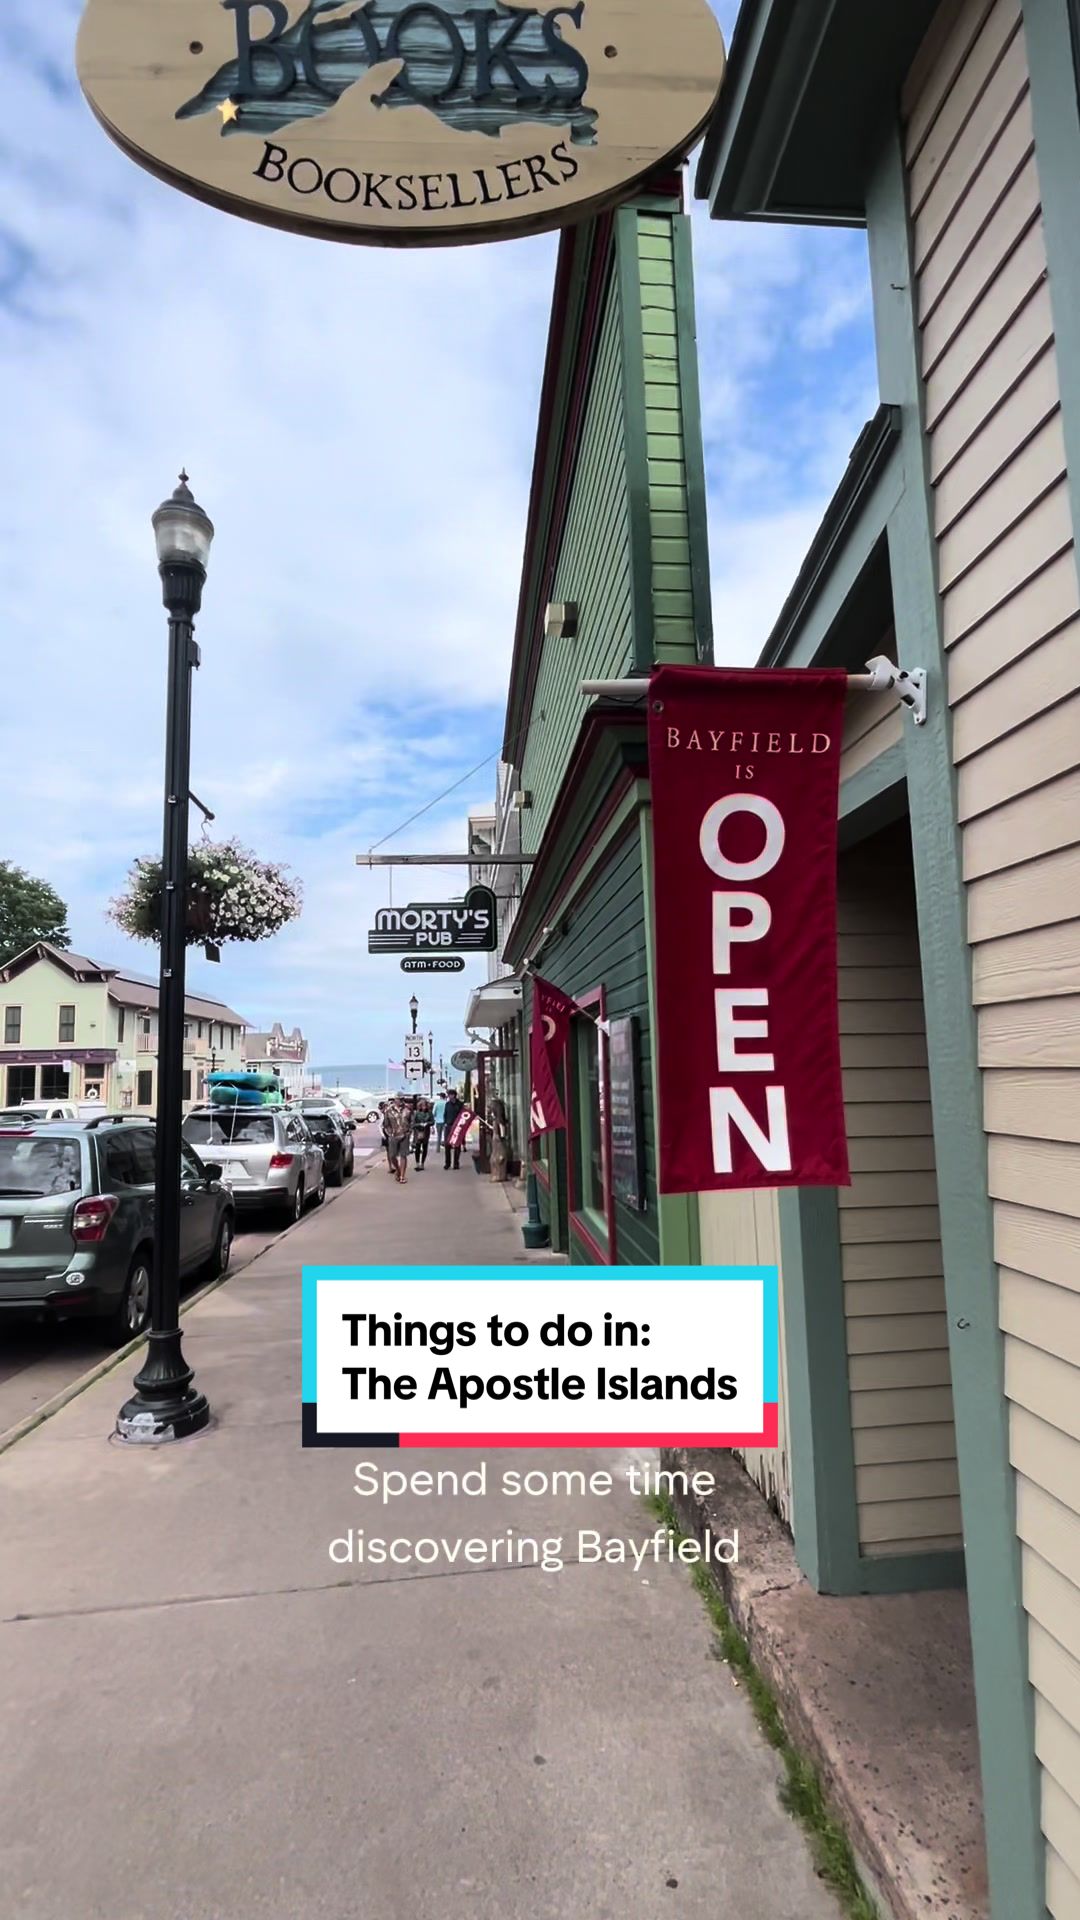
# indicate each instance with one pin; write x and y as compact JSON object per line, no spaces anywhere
{"x":322,"y":1103}
{"x":53,"y":1110}
{"x":361,"y":1105}
{"x":267,"y":1155}
{"x":334,"y":1136}
{"x":77,"y":1219}
{"x":341,"y":1103}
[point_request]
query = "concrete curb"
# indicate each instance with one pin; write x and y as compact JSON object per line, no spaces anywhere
{"x":116,"y":1359}
{"x":800,"y":1653}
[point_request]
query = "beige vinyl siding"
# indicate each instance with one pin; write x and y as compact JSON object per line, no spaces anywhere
{"x":906,"y":1484}
{"x":870,"y":727}
{"x":1011,"y":616}
{"x":871,"y":724}
{"x":743,"y":1229}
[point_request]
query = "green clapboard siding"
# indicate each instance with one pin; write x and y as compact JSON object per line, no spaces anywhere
{"x":593,"y":571}
{"x":604,"y":945}
{"x":633,"y":555}
{"x":672,"y":595}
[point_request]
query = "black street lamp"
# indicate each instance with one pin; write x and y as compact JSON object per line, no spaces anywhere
{"x":431,"y":1065}
{"x":414,"y":1008}
{"x":166,"y":1404}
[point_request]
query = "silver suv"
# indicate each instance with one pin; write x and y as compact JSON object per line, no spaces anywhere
{"x":267,"y":1155}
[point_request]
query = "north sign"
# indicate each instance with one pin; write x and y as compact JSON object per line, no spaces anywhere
{"x":437,"y":927}
{"x":402,"y":124}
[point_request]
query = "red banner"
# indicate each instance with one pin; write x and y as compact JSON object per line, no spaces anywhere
{"x":459,"y":1132}
{"x":548,"y":1034}
{"x":745,"y":771}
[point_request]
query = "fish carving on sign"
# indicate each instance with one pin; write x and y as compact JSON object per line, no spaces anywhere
{"x":397,"y":122}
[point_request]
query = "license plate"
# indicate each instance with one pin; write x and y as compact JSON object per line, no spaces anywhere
{"x":7,"y":1232}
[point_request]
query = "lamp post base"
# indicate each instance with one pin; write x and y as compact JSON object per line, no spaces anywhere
{"x":165,"y":1404}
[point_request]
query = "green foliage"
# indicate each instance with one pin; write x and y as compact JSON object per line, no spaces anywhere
{"x":30,"y":910}
{"x":801,"y":1792}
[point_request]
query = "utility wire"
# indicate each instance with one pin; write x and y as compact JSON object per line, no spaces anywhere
{"x":479,"y":768}
{"x":439,"y":797}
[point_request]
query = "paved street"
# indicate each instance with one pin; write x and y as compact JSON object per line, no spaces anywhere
{"x":37,"y":1362}
{"x":236,"y":1728}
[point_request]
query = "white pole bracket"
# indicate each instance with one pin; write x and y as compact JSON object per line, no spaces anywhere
{"x":909,"y":686}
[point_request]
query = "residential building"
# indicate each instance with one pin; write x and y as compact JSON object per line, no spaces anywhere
{"x":279,"y":1052}
{"x":73,"y":1029}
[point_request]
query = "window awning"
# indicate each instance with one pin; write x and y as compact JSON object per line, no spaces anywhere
{"x":495,"y":1004}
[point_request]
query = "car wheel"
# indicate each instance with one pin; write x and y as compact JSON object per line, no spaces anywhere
{"x":319,"y":1194}
{"x":297,"y":1208}
{"x":222,"y":1254}
{"x":373,"y":1118}
{"x":350,"y":1167}
{"x":338,"y":1175}
{"x":132,"y":1315}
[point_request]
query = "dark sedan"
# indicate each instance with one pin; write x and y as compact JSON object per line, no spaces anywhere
{"x":334,"y":1136}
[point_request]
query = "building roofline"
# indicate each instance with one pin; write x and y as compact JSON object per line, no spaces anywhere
{"x":871,"y":454}
{"x":810,"y":87}
{"x":79,"y":965}
{"x":582,"y":275}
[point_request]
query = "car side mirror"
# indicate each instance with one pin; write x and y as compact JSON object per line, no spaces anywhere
{"x":352,"y":1126}
{"x":212,"y":1169}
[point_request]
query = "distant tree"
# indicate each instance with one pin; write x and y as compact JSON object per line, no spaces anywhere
{"x":30,"y":910}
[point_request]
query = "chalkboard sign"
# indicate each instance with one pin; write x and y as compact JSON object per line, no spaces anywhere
{"x":627,"y":1147}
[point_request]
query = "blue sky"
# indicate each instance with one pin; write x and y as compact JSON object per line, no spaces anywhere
{"x":360,"y":426}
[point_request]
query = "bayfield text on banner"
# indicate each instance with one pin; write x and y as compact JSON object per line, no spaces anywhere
{"x":745,"y":773}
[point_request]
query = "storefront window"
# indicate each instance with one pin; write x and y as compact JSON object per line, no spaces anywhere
{"x":55,"y":1082}
{"x":589,"y":1156}
{"x":21,"y":1085}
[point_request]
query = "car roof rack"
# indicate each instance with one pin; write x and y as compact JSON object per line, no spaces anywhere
{"x":114,"y":1120}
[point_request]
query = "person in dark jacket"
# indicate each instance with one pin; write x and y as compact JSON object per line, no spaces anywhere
{"x":421,"y":1132}
{"x":455,"y":1107}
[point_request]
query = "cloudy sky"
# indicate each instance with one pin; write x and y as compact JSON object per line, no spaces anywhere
{"x":360,"y":427}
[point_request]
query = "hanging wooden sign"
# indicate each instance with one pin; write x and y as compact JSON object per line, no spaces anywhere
{"x":397,"y":123}
{"x":441,"y":926}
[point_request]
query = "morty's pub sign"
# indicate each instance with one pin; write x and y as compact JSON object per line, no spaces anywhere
{"x":398,"y":123}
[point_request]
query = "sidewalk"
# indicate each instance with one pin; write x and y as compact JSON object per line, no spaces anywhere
{"x":206,"y":1719}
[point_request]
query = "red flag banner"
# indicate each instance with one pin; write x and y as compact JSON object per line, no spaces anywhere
{"x":745,"y":772}
{"x":548,"y":1034}
{"x":459,"y":1132}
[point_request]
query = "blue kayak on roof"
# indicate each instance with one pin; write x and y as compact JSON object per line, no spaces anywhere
{"x":245,"y":1090}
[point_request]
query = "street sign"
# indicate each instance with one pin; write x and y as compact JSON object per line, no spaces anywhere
{"x":402,"y":124}
{"x":446,"y":963}
{"x":414,"y":1047}
{"x":438,"y":927}
{"x":464,"y":1061}
{"x":414,"y":1069}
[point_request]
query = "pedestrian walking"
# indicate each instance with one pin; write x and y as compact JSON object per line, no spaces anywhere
{"x":421,"y":1132}
{"x":455,"y":1107}
{"x":438,"y":1112}
{"x":402,"y":1135}
{"x":384,"y":1122}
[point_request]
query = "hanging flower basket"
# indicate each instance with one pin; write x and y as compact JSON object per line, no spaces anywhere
{"x":231,"y":896}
